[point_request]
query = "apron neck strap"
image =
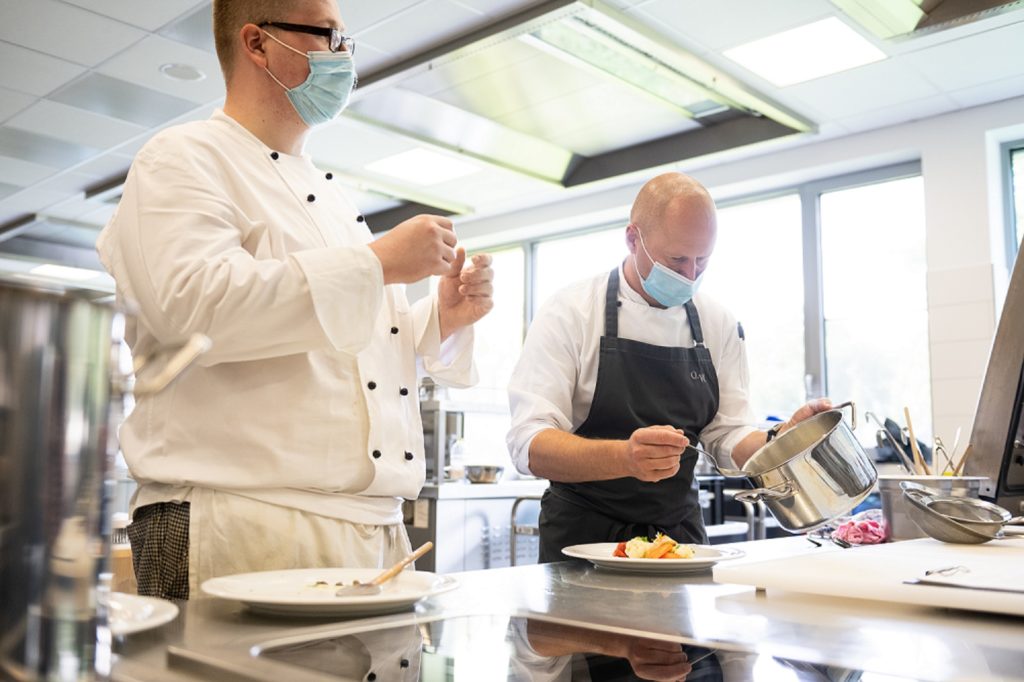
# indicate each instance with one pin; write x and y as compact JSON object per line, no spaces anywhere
{"x":611,"y":312}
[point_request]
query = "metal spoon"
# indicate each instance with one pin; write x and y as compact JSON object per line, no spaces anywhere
{"x":359,"y":589}
{"x":725,"y":471}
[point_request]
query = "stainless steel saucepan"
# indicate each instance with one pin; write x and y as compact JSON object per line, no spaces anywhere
{"x":813,"y":473}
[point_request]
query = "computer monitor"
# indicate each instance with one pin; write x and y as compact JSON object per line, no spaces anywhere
{"x":997,"y":438}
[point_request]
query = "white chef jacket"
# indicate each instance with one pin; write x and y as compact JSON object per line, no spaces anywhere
{"x":552,"y":386}
{"x":308,"y":398}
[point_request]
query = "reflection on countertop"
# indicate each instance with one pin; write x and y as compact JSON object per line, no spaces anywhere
{"x":475,"y":633}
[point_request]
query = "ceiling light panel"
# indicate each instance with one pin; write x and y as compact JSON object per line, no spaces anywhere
{"x":120,"y":99}
{"x":423,"y":167}
{"x":65,"y":31}
{"x":807,"y":52}
{"x":141,"y":64}
{"x":32,"y":72}
{"x":74,"y":125}
{"x":195,"y":29}
{"x":22,"y":173}
{"x":147,"y":14}
{"x":42,"y":149}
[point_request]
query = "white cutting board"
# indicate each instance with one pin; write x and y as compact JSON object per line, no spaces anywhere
{"x":878,"y":571}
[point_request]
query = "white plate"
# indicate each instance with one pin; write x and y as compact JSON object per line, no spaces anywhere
{"x":296,"y":592}
{"x":128,"y":613}
{"x":600,"y":554}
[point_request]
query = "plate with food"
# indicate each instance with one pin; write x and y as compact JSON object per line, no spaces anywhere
{"x":644,"y":555}
{"x":314,"y":591}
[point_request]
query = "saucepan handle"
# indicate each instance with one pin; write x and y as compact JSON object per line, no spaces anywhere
{"x":853,"y":412}
{"x":182,"y":358}
{"x":779,"y":492}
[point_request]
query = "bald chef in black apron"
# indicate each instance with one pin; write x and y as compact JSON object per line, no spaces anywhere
{"x":621,"y":372}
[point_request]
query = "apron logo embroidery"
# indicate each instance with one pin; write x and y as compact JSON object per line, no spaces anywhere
{"x":698,"y":376}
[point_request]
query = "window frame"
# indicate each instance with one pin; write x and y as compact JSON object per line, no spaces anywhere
{"x":1010,"y":232}
{"x":809,"y":193}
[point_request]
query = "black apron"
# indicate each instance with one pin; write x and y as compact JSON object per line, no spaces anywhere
{"x":638,"y":385}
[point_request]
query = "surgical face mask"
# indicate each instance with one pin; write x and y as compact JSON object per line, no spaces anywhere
{"x":666,"y":286}
{"x":325,"y":92}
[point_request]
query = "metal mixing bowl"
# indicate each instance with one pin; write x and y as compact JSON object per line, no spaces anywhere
{"x":483,"y":473}
{"x":925,"y":509}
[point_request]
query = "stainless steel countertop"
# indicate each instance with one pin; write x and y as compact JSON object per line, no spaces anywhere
{"x":912,"y":642}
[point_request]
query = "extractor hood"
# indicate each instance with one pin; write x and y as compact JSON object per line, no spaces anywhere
{"x":564,"y":93}
{"x":901,"y":19}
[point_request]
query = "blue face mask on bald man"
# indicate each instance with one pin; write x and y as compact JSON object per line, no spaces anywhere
{"x":664,"y":285}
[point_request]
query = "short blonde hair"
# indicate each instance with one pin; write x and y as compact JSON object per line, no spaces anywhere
{"x":229,"y":16}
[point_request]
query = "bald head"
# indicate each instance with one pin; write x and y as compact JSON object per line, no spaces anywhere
{"x":673,"y":223}
{"x":674,"y":199}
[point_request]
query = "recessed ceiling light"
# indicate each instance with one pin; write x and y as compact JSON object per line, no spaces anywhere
{"x":801,"y":54}
{"x":65,"y":272}
{"x":182,"y":72}
{"x":423,"y":167}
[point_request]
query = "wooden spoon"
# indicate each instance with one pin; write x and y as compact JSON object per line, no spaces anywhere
{"x":359,"y":589}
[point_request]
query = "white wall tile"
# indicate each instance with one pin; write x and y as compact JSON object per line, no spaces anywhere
{"x":959,"y":359}
{"x":955,"y":396}
{"x":961,"y":322}
{"x":970,"y":284}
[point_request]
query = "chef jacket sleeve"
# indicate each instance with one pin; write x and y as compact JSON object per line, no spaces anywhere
{"x":449,"y":363}
{"x":177,"y":240}
{"x":541,"y":390}
{"x":734,"y":419}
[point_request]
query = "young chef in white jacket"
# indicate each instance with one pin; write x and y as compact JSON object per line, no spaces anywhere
{"x":621,"y":372}
{"x":295,"y":438}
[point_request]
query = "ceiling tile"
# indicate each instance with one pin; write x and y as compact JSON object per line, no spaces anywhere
{"x":360,"y":17}
{"x":34,"y":72}
{"x":22,"y":173}
{"x":13,"y":102}
{"x":30,"y":200}
{"x":866,"y":88}
{"x":105,"y":166}
{"x":147,"y":14}
{"x":7,"y":190}
{"x":42,"y":149}
{"x":994,"y":55}
{"x":931,"y":106}
{"x":120,"y":99}
{"x":74,"y":125}
{"x":140,"y":64}
{"x":424,"y":25}
{"x":727,"y":23}
{"x":65,"y":31}
{"x":990,"y":92}
{"x":491,"y":8}
{"x":195,"y":29}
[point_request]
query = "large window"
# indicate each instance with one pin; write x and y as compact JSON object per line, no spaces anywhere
{"x":828,"y":281}
{"x":560,"y":262}
{"x":874,"y":301}
{"x":1016,"y":183}
{"x":756,"y":271}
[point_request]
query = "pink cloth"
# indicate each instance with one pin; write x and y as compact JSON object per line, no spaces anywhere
{"x":868,"y":532}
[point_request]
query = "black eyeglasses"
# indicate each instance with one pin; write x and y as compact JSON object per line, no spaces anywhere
{"x":339,"y":41}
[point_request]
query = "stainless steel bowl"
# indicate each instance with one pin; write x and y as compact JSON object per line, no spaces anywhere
{"x":930,"y":512}
{"x":484,"y":473}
